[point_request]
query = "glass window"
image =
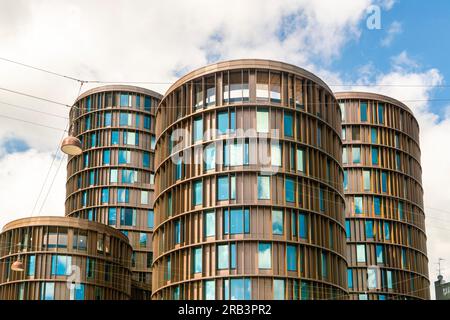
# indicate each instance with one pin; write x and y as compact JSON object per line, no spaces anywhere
{"x":398,"y":161}
{"x":303,"y":230}
{"x":61,"y":265}
{"x":123,"y":195}
{"x":400,"y":210}
{"x":356,"y":133}
{"x":152,"y":142}
{"x":47,"y":290}
{"x":130,"y":138}
{"x":210,"y":157}
{"x":31,"y":265}
{"x":360,"y":253}
{"x":128,"y":217}
{"x":377,"y":205}
{"x":236,"y":154}
{"x":380,"y":255}
{"x":350,"y":278}
{"x":114,"y":137}
{"x":150,"y":219}
{"x":146,"y":159}
{"x":380,"y":114}
{"x":363,"y":108}
{"x":319,"y":136}
{"x":288,"y":125}
{"x":276,"y":154}
{"x":77,"y":292}
{"x":348,"y":230}
{"x":262,"y":121}
{"x":366,"y":175}
{"x":129,"y":176}
{"x":344,"y":134}
{"x":198,"y":129}
{"x":233,"y":256}
{"x":222,"y":122}
{"x":223,"y":188}
{"x":124,"y":157}
{"x":387,"y":231}
{"x":384,"y":182}
{"x":389,"y":279}
{"x":147,"y":122}
{"x":178,"y":169}
{"x":240,"y":289}
{"x":237,"y":222}
{"x":178,"y":231}
{"x":369,"y":229}
{"x":264,"y":187}
{"x":143,"y":240}
{"x":147,"y":103}
{"x":324,"y":265}
{"x":197,"y":193}
{"x":264,"y":255}
{"x":113,"y":176}
{"x":356,"y":154}
{"x":277,"y":222}
{"x":124,"y":101}
{"x":289,"y":190}
{"x":210,"y":290}
{"x":197,"y":260}
{"x":144,"y":197}
{"x":345,"y":180}
{"x":106,"y":156}
{"x":300,"y":161}
{"x":223,"y":257}
{"x":278,"y":289}
{"x":374,"y":156}
{"x":210,"y":224}
{"x":358,"y":205}
{"x":105,"y":195}
{"x":374,"y":135}
{"x":321,"y":200}
{"x":125,"y":119}
{"x":291,"y":255}
{"x":112,"y":216}
{"x":362,"y":296}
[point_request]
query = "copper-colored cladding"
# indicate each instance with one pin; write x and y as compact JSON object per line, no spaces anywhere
{"x":93,"y":175}
{"x":320,"y":266}
{"x":101,"y":253}
{"x":396,"y":254}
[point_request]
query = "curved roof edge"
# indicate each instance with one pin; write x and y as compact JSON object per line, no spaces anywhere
{"x":119,"y":87}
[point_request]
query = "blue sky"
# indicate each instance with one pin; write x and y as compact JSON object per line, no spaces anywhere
{"x":425,"y":36}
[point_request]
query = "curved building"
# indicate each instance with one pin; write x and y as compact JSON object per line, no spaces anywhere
{"x":112,"y":180}
{"x":64,"y":259}
{"x":248,"y":200}
{"x":385,"y":219}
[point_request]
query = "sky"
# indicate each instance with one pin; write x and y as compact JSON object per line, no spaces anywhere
{"x":159,"y":41}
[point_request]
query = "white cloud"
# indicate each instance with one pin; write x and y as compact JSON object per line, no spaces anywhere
{"x":394,"y":29}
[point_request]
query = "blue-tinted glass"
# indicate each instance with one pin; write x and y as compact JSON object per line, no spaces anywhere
{"x":84,"y":199}
{"x":288,"y":125}
{"x":198,"y":193}
{"x":146,"y":160}
{"x":88,"y":103}
{"x":124,"y":119}
{"x":198,"y":129}
{"x":61,"y":265}
{"x":88,"y":123}
{"x":400,"y":210}
{"x":91,"y":177}
{"x":387,"y":231}
{"x":237,"y":289}
{"x":348,"y":229}
{"x":377,"y":205}
{"x":79,"y":291}
{"x":291,"y":258}
{"x":356,"y":154}
{"x":127,"y":217}
{"x":222,"y":257}
{"x":303,"y":228}
{"x":150,"y":219}
{"x":321,"y":200}
{"x":277,"y":222}
{"x":47,"y":290}
{"x":138,"y":101}
{"x":363,"y":111}
{"x":380,"y":114}
{"x":197,"y":260}
{"x":147,"y":104}
{"x":222,"y":122}
{"x":115,"y":137}
{"x":112,"y":214}
{"x":345,"y":180}
{"x":226,"y":221}
{"x":350,"y":278}
{"x":369,"y":229}
{"x":93,"y":140}
{"x":380,"y":257}
{"x":294,"y":224}
{"x":210,"y":157}
{"x":264,"y":255}
{"x":86,"y":159}
{"x":278,"y":289}
{"x":246,"y":221}
{"x":232,"y":120}
{"x":222,"y":188}
{"x":105,"y":195}
{"x":124,"y":100}
{"x":324,"y":265}
{"x":138,"y":122}
{"x":146,"y":122}
{"x":374,"y":155}
{"x":178,"y":169}
{"x":384,"y":182}
{"x":290,"y":190}
{"x":226,"y":154}
{"x":106,"y":156}
{"x":122,"y":195}
{"x":264,"y":187}
{"x":91,"y":215}
{"x":233,"y":256}
{"x":31,"y":265}
{"x":319,"y":136}
{"x":177,"y":231}
{"x":236,"y":221}
{"x":210,"y":224}
{"x":374,"y":135}
{"x":358,"y":205}
{"x":123,"y":156}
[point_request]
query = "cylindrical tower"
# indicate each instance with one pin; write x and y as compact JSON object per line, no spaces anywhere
{"x":64,"y":259}
{"x":248,"y":200}
{"x":112,"y":180}
{"x":385,"y":219}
